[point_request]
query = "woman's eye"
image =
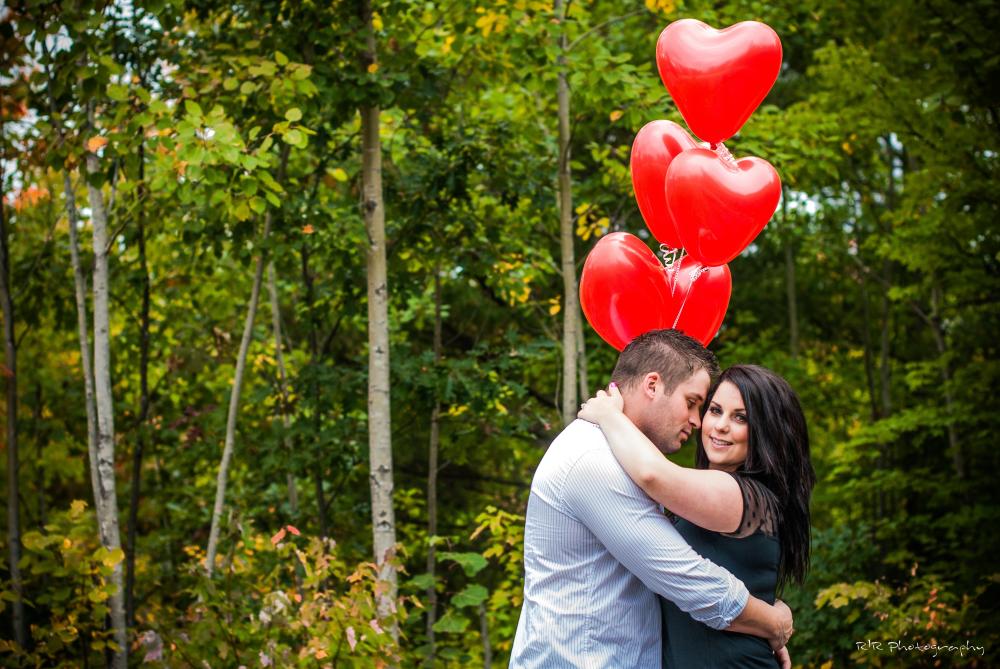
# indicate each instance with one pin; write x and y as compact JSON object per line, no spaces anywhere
{"x":741,"y":418}
{"x":715,"y":411}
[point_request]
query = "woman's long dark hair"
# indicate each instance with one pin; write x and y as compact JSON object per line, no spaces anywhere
{"x":777,"y":457}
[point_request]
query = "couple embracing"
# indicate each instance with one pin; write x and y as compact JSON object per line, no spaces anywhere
{"x":610,"y":580}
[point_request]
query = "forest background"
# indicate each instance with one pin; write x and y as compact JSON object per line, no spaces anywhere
{"x":273,"y":270}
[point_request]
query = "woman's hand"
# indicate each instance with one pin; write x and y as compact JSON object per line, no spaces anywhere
{"x":600,"y":408}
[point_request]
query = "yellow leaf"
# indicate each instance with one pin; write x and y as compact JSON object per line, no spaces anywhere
{"x":95,"y":144}
{"x":320,"y":654}
{"x":446,"y":47}
{"x":308,"y":229}
{"x":113,"y":557}
{"x":373,"y":68}
{"x":582,"y":208}
{"x":377,"y":21}
{"x":847,"y":148}
{"x":554,"y":308}
{"x":615,"y":115}
{"x":339,"y":174}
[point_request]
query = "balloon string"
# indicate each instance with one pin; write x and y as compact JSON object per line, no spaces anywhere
{"x":694,"y":277}
{"x":725,"y":155}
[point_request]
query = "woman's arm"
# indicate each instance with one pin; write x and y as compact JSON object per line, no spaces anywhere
{"x":708,"y":498}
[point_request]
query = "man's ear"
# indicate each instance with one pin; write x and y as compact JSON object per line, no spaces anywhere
{"x":648,"y":384}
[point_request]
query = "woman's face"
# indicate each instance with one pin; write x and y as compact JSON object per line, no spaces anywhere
{"x":724,"y":430}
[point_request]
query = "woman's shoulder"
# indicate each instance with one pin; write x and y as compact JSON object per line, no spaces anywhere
{"x":760,"y":506}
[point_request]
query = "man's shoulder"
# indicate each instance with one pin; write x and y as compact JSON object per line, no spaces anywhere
{"x":580,"y":454}
{"x":580,"y":440}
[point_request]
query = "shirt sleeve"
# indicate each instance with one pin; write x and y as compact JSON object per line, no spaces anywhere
{"x":760,"y":508}
{"x":630,"y":525}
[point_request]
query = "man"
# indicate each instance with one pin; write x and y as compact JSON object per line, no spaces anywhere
{"x":597,"y":550}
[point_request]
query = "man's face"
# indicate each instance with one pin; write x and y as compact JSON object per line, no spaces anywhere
{"x":668,"y":420}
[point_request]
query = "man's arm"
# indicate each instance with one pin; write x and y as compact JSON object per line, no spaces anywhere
{"x":634,"y":531}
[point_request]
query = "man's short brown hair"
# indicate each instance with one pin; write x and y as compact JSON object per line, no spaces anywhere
{"x":670,"y":353}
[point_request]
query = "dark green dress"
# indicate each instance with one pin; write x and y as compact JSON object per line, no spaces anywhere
{"x":751,"y":554}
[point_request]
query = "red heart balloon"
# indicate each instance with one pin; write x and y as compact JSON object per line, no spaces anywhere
{"x":718,"y":77}
{"x":625,"y":291}
{"x":653,"y":149}
{"x":719,"y":205}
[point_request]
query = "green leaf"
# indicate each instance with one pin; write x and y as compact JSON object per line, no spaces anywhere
{"x":230,"y":84}
{"x":280,"y":58}
{"x":296,"y":138}
{"x":451,"y":623}
{"x":257,"y":204}
{"x":294,"y":114}
{"x":473,"y":595}
{"x":422,"y":581}
{"x":193,"y":108}
{"x":472,"y":563}
{"x":118,"y":92}
{"x":242,"y":211}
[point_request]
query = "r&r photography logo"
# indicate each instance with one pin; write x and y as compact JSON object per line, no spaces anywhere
{"x":932,"y":649}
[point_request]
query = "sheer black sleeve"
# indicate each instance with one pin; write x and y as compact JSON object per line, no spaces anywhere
{"x":760,"y":508}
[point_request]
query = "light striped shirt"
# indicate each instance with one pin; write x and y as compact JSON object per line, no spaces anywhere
{"x":597,"y":551}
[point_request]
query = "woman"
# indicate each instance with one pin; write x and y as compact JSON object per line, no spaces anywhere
{"x":745,"y":507}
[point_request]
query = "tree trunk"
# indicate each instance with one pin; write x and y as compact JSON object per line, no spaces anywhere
{"x":140,"y":444}
{"x":13,"y":489}
{"x":581,"y":359}
{"x":234,"y":404}
{"x":39,"y":439}
{"x":272,"y":287}
{"x":866,"y":339}
{"x":432,"y":474}
{"x":108,"y":508}
{"x":484,"y":633}
{"x":307,"y":279}
{"x":571,"y":308}
{"x":954,"y":443}
{"x":234,"y":396}
{"x":885,"y":376}
{"x":379,"y":420}
{"x":793,"y":307}
{"x":80,"y":286}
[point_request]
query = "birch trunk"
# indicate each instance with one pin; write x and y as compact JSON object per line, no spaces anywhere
{"x":379,"y":419}
{"x":80,"y":281}
{"x":571,"y":308}
{"x":80,"y":286}
{"x":13,"y":489}
{"x":234,"y":406}
{"x":107,"y":518}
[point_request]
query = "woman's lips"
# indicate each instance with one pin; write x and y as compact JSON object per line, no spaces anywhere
{"x":719,"y":443}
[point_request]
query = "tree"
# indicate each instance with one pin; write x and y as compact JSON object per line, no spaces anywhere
{"x":379,"y":421}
